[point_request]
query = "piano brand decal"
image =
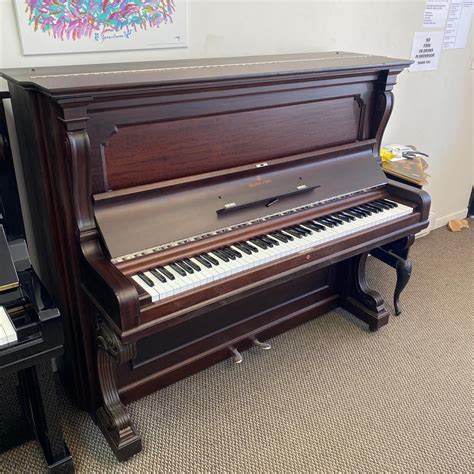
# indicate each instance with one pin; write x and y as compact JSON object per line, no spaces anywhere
{"x":259,"y":182}
{"x":50,"y":26}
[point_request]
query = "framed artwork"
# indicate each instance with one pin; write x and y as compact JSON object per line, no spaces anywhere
{"x":78,"y":26}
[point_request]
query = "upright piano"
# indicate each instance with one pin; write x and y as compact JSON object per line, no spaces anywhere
{"x":186,"y":210}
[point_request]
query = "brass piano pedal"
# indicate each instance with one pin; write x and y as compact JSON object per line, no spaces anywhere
{"x":237,"y":355}
{"x":263,"y":345}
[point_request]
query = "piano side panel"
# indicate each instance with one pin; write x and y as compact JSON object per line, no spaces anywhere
{"x":173,"y":149}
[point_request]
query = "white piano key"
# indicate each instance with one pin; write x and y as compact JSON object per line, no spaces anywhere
{"x":162,"y":289}
{"x":7,"y":326}
{"x":150,"y":290}
{"x":3,"y":338}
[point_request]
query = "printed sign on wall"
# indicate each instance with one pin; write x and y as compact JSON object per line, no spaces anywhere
{"x":76,"y":26}
{"x":426,"y":50}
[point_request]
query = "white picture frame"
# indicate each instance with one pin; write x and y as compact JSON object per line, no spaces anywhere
{"x":52,"y":27}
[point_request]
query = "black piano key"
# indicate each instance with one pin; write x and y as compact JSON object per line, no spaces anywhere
{"x":376,"y":209}
{"x":203,"y":261}
{"x":357,"y":213}
{"x":267,"y":240}
{"x":185,"y":267}
{"x":332,"y":220}
{"x":258,"y":243}
{"x":193,"y":265}
{"x":308,"y":227}
{"x":178,"y":269}
{"x":158,"y":275}
{"x":300,"y":231}
{"x":363,"y":211}
{"x":322,"y":221}
{"x":311,"y":226}
{"x":287,"y":236}
{"x":250,"y":246}
{"x":166,"y":273}
{"x":305,"y":231}
{"x":348,"y":216}
{"x":228,"y":252}
{"x":243,"y":249}
{"x":294,"y":233}
{"x":210,"y":258}
{"x":390,"y":203}
{"x":235,"y":251}
{"x":385,"y":204}
{"x":146,"y":279}
{"x":342,"y":217}
{"x":273,"y":239}
{"x":221,"y":256}
{"x":378,"y":206}
{"x":367,"y":208}
{"x":379,"y":202}
{"x":336,"y":219}
{"x":280,"y":237}
{"x":317,"y":225}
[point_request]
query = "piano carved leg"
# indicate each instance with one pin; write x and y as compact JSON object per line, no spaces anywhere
{"x":113,"y":418}
{"x":395,"y":254}
{"x":404,"y":268}
{"x":356,"y":296}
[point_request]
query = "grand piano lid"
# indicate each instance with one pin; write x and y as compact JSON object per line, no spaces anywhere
{"x":140,"y":221}
{"x":82,"y":78}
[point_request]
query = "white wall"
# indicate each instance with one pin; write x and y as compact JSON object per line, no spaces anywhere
{"x":433,"y":110}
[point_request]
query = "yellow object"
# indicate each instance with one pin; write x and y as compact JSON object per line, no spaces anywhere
{"x":386,"y":155}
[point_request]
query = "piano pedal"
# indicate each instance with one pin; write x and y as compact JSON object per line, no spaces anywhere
{"x":262,"y":345}
{"x":237,"y":355}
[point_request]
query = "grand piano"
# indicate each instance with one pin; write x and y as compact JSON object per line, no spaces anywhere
{"x":186,"y":210}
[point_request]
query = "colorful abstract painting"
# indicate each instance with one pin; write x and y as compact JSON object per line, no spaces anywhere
{"x":54,"y":26}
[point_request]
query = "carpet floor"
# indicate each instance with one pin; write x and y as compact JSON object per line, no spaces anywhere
{"x":329,"y":397}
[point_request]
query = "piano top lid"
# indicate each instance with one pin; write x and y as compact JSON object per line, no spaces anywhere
{"x":83,"y":78}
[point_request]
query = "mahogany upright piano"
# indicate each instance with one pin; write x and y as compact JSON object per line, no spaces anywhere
{"x":185,"y":210}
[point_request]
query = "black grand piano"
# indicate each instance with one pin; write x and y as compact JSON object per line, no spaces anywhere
{"x":186,"y":210}
{"x":31,"y":333}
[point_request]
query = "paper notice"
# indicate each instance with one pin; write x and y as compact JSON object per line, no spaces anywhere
{"x":436,"y":12}
{"x":426,"y":50}
{"x":458,"y":24}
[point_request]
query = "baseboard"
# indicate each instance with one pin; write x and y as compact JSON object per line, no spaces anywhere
{"x":443,"y":220}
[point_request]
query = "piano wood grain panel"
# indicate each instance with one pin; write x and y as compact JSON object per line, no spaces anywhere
{"x":173,"y":149}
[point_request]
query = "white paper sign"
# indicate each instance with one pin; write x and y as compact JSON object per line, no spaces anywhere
{"x":426,"y":50}
{"x":53,"y":26}
{"x":458,"y":24}
{"x":436,"y":12}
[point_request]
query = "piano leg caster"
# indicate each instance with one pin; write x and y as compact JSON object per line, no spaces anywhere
{"x":263,"y":345}
{"x":356,"y":296}
{"x":113,"y":418}
{"x":237,"y":355}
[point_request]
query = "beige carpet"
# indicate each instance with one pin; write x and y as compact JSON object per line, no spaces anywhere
{"x":328,"y":397}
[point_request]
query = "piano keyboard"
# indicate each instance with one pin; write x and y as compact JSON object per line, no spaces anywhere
{"x":7,"y":329}
{"x":186,"y":274}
